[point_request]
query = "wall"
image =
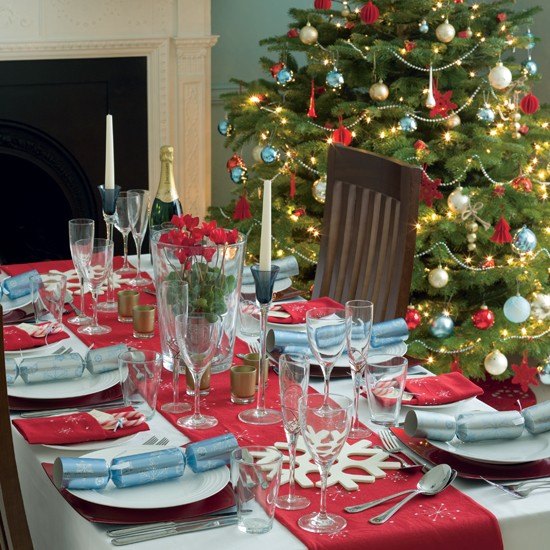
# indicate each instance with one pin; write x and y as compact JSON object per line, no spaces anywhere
{"x":241,"y":24}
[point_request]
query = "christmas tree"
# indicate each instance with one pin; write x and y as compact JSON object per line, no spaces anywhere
{"x":445,"y":85}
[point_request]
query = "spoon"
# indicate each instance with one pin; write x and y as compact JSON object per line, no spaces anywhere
{"x":431,"y":483}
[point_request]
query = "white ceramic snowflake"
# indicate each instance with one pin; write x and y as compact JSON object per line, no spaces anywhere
{"x":73,"y":284}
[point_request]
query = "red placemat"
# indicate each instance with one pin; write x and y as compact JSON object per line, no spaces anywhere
{"x":502,"y":395}
{"x":97,"y":513}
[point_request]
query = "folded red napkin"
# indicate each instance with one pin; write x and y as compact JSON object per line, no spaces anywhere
{"x":297,"y":310}
{"x":72,"y":428}
{"x":439,"y":390}
{"x":16,"y":338}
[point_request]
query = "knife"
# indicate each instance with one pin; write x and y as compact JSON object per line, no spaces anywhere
{"x":53,"y":412}
{"x":171,"y":531}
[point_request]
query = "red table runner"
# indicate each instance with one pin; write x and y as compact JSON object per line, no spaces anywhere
{"x":446,"y":520}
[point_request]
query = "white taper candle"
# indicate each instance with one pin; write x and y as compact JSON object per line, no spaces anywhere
{"x":109,"y":155}
{"x":265,"y":239}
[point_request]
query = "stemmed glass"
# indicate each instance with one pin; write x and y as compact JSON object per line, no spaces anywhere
{"x":95,"y":257}
{"x":293,"y":384}
{"x":197,"y":335}
{"x":360,"y":313}
{"x":138,"y":213}
{"x":122,"y":223}
{"x":325,"y":421}
{"x":80,"y":228}
{"x":172,"y":301}
{"x":326,"y":333}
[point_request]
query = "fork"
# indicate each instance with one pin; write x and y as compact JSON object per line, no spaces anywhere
{"x":404,"y":463}
{"x":254,"y":347}
{"x":393,"y":445}
{"x":519,"y":490}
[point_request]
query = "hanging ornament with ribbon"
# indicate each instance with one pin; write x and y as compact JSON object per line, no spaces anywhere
{"x":292,"y":192}
{"x":342,"y":134}
{"x":242,"y":209}
{"x":472,"y":211}
{"x":430,"y":99}
{"x":501,"y":234}
{"x":529,"y":104}
{"x":369,"y":13}
{"x":311,"y":111}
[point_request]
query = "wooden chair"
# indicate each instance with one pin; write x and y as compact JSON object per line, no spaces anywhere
{"x":369,"y":230}
{"x":14,"y":531}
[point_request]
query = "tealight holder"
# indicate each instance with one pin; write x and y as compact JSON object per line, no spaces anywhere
{"x":127,"y":300}
{"x":144,"y":322}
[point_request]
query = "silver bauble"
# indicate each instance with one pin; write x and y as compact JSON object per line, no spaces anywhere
{"x":442,"y":326}
{"x":495,"y":363}
{"x":457,"y":202}
{"x":423,"y":26}
{"x":453,"y":121}
{"x":379,"y":91}
{"x":500,"y":77}
{"x":471,"y":237}
{"x":445,"y":32}
{"x":309,"y":34}
{"x":257,"y":153}
{"x":319,"y":189}
{"x":438,"y":277}
{"x":472,"y":227}
{"x":540,"y":307}
{"x":544,"y":373}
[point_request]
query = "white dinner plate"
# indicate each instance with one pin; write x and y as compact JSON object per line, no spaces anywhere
{"x":281,"y":284}
{"x":32,"y":351}
{"x":525,"y":448}
{"x":455,"y":404}
{"x":90,"y":446}
{"x":9,"y":305}
{"x":174,"y":492}
{"x":60,"y":389}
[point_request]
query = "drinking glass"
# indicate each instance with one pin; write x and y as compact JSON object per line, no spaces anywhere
{"x":138,"y":214}
{"x":122,"y":223}
{"x":197,"y":336}
{"x":360,"y":313}
{"x":325,"y":421}
{"x":95,"y":257}
{"x":172,"y":301}
{"x":80,"y":228}
{"x":293,"y":384}
{"x":48,"y":296}
{"x":326,"y":332}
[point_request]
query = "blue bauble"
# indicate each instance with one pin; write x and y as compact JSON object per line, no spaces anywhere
{"x":224,"y":128}
{"x":486,"y":114}
{"x":335,"y":79}
{"x":238,"y":174}
{"x":524,"y":240}
{"x":284,"y":76}
{"x":442,"y":326}
{"x":408,"y":124}
{"x":269,"y":154}
{"x":530,"y":67}
{"x":517,"y":309}
{"x":423,"y":27}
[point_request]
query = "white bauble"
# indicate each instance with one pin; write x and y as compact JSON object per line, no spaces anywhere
{"x":500,"y":77}
{"x":517,"y":309}
{"x":457,"y":202}
{"x":540,"y":306}
{"x":495,"y":363}
{"x":309,"y":34}
{"x":319,"y":189}
{"x":257,"y":153}
{"x":438,"y":277}
{"x":445,"y":32}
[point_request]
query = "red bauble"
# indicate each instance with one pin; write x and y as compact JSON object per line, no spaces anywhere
{"x":234,"y":161}
{"x":342,"y":134}
{"x":293,"y":33}
{"x":349,"y":25}
{"x":409,"y":45}
{"x":464,"y":34}
{"x":484,"y":318}
{"x":523,"y":130}
{"x":529,"y":104}
{"x":276,"y":69}
{"x":501,"y":17}
{"x":488,"y":263}
{"x":369,"y":13}
{"x":499,"y":191}
{"x":299,"y":212}
{"x":523,"y":183}
{"x":322,"y":4}
{"x":412,"y":318}
{"x":419,"y":145}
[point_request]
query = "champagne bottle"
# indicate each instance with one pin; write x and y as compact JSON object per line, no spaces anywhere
{"x":166,"y":203}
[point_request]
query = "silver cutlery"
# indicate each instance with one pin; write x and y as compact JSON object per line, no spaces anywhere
{"x":151,"y":441}
{"x":393,"y":445}
{"x":54,"y":412}
{"x":62,"y":351}
{"x":519,"y":490}
{"x":163,"y":442}
{"x":404,"y":463}
{"x":254,"y":347}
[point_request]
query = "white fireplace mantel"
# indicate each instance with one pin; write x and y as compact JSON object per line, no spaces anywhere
{"x":174,"y":36}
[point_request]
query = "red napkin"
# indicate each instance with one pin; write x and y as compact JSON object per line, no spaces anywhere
{"x":71,"y":428}
{"x":16,"y":339}
{"x":439,"y":390}
{"x":297,"y":310}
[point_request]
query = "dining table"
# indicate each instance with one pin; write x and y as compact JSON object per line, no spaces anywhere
{"x":54,"y":524}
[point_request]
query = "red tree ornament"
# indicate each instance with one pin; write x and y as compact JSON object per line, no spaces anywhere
{"x":443,"y":103}
{"x":501,"y":17}
{"x":502,"y":232}
{"x":299,"y":212}
{"x":419,"y":145}
{"x":524,"y":374}
{"x":523,"y":129}
{"x":234,"y":161}
{"x":484,"y":318}
{"x":429,"y":189}
{"x":349,"y":25}
{"x":242,"y":209}
{"x":342,"y":134}
{"x":529,"y":104}
{"x":369,"y":13}
{"x":455,"y":364}
{"x":488,"y":263}
{"x":293,"y":33}
{"x":276,"y":69}
{"x":322,"y":4}
{"x":412,"y":317}
{"x":464,"y":34}
{"x":522,"y":183}
{"x":311,"y":111}
{"x":410,"y":45}
{"x":292,"y":192}
{"x":499,"y":191}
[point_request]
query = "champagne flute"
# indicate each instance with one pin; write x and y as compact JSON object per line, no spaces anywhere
{"x":172,"y":301}
{"x":197,"y":335}
{"x":293,"y":384}
{"x":122,"y":223}
{"x":95,"y":257}
{"x":138,"y":214}
{"x":80,"y":228}
{"x":360,"y":313}
{"x":326,"y":333}
{"x":325,"y":421}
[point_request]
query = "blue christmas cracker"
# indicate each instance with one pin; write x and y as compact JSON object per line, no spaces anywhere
{"x":18,"y":285}
{"x":431,"y":425}
{"x":80,"y":473}
{"x":388,"y":329}
{"x":51,"y":368}
{"x":537,"y":418}
{"x":12,"y":371}
{"x":144,"y":468}
{"x":105,"y":359}
{"x":484,"y":426}
{"x":288,"y":267}
{"x":210,"y":453}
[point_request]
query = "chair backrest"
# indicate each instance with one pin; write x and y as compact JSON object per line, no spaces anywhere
{"x":14,"y":531}
{"x":369,"y":230}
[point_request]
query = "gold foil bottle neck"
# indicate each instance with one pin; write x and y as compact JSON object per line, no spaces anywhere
{"x":167,"y":153}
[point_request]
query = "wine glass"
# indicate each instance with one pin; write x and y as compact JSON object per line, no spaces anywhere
{"x":95,"y":257}
{"x":325,"y":421}
{"x":80,"y":228}
{"x":326,"y":333}
{"x":172,"y":301}
{"x":138,"y":214}
{"x":293,"y":384}
{"x":197,"y":335}
{"x":360,"y":313}
{"x":122,"y":223}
